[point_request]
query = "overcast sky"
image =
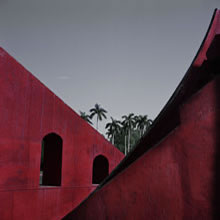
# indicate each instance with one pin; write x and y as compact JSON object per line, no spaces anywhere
{"x":127,"y":55}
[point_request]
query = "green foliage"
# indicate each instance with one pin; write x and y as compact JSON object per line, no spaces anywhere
{"x":86,"y":117}
{"x":120,"y":140}
{"x":113,"y":129}
{"x":123,"y":134}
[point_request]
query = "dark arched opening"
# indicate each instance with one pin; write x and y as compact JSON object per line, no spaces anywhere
{"x":51,"y":160}
{"x":100,"y":169}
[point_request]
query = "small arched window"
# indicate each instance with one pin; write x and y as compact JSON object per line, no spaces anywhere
{"x":51,"y":160}
{"x":100,"y":169}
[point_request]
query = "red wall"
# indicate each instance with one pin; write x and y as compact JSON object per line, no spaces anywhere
{"x":28,"y":112}
{"x":174,"y":171}
{"x":174,"y":180}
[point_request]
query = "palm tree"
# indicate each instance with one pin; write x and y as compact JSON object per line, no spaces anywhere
{"x":113,"y":129}
{"x":139,"y":124}
{"x":124,"y":132}
{"x":129,"y":122}
{"x":86,"y":117}
{"x":142,"y":123}
{"x":99,"y":112}
{"x":148,"y":124}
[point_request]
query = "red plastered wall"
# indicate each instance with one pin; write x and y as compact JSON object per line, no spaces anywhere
{"x":28,"y":112}
{"x":173,"y":180}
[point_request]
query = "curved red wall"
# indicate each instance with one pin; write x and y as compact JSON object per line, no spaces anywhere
{"x":174,"y":180}
{"x":174,"y":171}
{"x":28,"y":112}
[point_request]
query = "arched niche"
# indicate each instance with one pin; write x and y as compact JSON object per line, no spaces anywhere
{"x":100,"y":169}
{"x":51,"y":160}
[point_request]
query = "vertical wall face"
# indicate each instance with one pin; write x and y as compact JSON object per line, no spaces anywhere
{"x":28,"y":113}
{"x":174,"y":180}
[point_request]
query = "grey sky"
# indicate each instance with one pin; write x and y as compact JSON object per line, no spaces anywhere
{"x":127,"y":55}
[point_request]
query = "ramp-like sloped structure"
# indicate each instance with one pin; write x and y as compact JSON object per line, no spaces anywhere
{"x":174,"y":171}
{"x":35,"y":123}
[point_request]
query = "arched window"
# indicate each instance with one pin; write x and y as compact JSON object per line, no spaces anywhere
{"x":51,"y":160}
{"x":100,"y":169}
